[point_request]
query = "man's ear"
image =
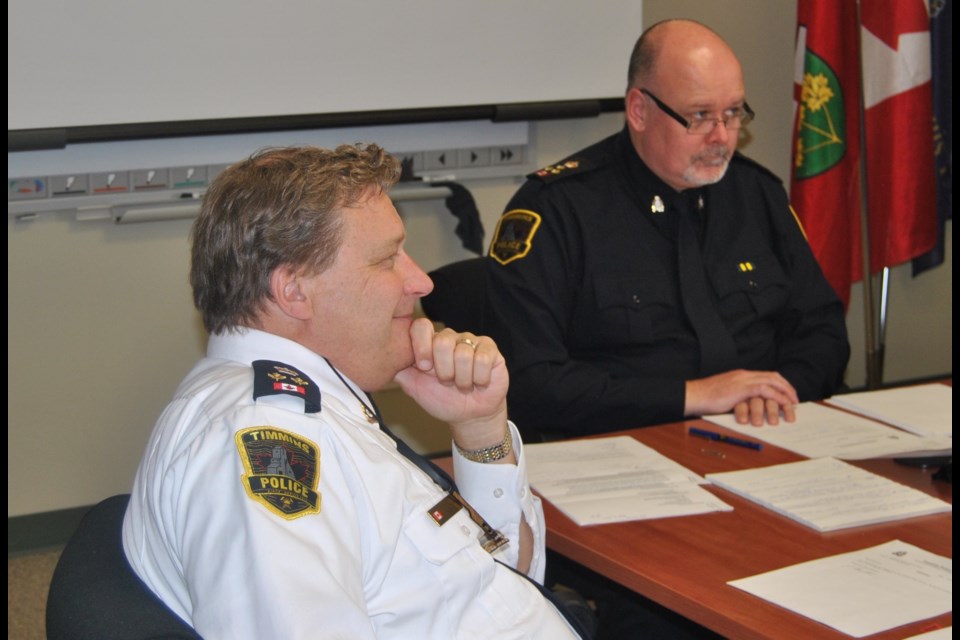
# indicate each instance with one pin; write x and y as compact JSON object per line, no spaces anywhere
{"x":634,"y":109}
{"x":286,"y":285}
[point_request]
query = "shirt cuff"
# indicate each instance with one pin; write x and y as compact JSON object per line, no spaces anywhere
{"x":499,"y":492}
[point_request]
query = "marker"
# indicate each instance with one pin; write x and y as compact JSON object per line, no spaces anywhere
{"x":719,"y":437}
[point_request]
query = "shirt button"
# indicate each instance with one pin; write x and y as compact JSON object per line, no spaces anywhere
{"x":523,"y":492}
{"x":752,"y":284}
{"x":636,"y":299}
{"x":465,"y":530}
{"x":497,"y":493}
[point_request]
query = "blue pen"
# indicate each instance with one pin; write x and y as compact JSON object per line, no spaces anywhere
{"x":719,"y":437}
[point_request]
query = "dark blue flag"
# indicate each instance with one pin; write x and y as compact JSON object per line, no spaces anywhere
{"x":941,"y":50}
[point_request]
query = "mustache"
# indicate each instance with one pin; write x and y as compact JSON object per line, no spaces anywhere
{"x":716,"y":152}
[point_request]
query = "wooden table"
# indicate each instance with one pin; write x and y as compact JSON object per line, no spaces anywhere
{"x":684,"y":563}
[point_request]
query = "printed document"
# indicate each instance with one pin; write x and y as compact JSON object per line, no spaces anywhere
{"x":615,"y":479}
{"x":925,"y":409}
{"x":862,"y":592}
{"x":828,"y":494}
{"x":820,"y":431}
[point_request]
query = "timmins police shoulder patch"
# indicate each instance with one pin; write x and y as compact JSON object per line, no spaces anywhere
{"x":282,"y":470}
{"x":514,"y":235}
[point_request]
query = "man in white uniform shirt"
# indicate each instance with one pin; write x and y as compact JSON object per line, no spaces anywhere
{"x":271,"y":502}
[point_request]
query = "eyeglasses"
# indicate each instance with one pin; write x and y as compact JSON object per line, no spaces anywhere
{"x":701,"y":125}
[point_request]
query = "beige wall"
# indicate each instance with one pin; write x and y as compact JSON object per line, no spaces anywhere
{"x":101,"y":327}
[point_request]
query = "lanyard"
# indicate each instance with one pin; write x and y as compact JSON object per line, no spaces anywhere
{"x":490,"y":538}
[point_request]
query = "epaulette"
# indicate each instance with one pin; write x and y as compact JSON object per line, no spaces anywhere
{"x":739,"y":157}
{"x":568,"y":167}
{"x":272,"y":378}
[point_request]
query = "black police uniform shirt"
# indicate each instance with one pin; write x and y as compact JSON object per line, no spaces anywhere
{"x":586,"y":304}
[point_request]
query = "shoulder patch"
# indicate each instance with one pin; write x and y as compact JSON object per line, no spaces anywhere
{"x":514,"y":235}
{"x":555,"y":171}
{"x":281,"y":470}
{"x":272,"y":378}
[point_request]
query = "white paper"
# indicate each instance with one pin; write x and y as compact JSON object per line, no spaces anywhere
{"x":821,"y":432}
{"x":615,"y":479}
{"x":862,"y":592}
{"x":925,"y":409}
{"x":828,"y":494}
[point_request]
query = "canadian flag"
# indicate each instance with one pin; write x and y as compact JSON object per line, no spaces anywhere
{"x":284,"y":386}
{"x":898,"y":130}
{"x":825,"y":179}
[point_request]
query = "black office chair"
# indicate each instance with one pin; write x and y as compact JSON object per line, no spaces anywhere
{"x":458,"y":298}
{"x":95,"y":595}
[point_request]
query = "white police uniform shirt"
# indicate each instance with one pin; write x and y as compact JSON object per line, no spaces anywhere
{"x":256,"y":519}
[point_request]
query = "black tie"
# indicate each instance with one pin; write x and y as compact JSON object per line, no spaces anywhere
{"x":717,"y":350}
{"x":443,"y":479}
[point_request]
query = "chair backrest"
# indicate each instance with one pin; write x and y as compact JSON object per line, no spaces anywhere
{"x":458,"y":299}
{"x":94,"y":592}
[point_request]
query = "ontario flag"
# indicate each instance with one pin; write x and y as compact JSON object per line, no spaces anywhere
{"x":897,"y":115}
{"x":825,"y":180}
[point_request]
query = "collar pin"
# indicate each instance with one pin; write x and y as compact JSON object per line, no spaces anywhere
{"x":657,"y":205}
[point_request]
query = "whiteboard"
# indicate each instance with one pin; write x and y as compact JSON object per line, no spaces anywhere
{"x":76,"y":64}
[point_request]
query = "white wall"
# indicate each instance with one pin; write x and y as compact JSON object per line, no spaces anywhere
{"x":101,"y":326}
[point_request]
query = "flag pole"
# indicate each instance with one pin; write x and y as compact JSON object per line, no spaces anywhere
{"x":872,"y":368}
{"x":882,"y":329}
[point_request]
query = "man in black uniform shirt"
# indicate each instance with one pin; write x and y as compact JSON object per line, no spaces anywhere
{"x":658,"y":273}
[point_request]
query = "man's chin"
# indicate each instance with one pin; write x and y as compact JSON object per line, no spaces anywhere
{"x":707,"y":174}
{"x":401,"y":357}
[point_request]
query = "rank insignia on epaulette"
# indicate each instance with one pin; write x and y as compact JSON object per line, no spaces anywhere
{"x":554,"y":171}
{"x":272,"y":378}
{"x":514,"y":235}
{"x":281,"y":470}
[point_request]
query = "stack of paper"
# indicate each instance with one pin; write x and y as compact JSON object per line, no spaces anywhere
{"x":863,"y":592}
{"x":821,"y":432}
{"x":827,"y":494}
{"x":925,"y":409}
{"x":615,"y":479}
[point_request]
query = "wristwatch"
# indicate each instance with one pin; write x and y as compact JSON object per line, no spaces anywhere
{"x":489,"y":454}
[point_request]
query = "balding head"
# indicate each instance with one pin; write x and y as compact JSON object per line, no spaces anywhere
{"x":671,"y":46}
